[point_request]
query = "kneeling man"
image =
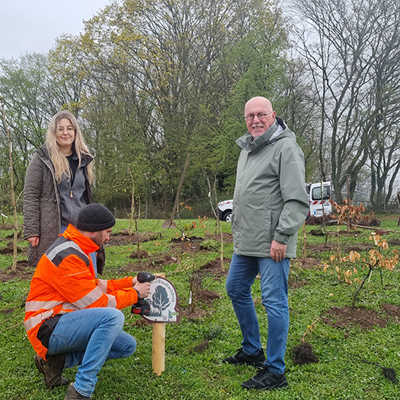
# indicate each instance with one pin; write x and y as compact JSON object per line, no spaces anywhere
{"x":73,"y":318}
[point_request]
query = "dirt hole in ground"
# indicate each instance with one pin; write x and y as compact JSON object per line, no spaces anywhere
{"x":139,"y":254}
{"x":206,"y":296}
{"x":155,"y":263}
{"x":123,"y":238}
{"x":213,"y":268}
{"x":23,"y":272}
{"x":303,"y":354}
{"x":187,"y":244}
{"x":352,"y":316}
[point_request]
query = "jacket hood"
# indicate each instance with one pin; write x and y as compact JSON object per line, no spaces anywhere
{"x":277,"y":131}
{"x":86,"y":244}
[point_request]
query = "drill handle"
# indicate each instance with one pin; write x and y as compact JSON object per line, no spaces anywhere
{"x":144,"y":276}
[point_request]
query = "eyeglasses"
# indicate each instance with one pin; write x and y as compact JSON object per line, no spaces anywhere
{"x":260,"y":115}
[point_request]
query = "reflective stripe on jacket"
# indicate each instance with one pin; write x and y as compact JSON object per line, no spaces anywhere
{"x":64,"y":281}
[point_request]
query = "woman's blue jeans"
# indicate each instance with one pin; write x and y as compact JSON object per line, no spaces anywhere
{"x":88,"y":338}
{"x":274,"y":291}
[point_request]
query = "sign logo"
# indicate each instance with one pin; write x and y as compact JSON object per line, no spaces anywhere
{"x":163,"y":301}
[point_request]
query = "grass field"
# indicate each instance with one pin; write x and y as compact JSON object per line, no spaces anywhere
{"x":196,"y":345}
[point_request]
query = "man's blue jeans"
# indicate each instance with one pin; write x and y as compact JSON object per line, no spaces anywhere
{"x":274,"y":292}
{"x":88,"y":338}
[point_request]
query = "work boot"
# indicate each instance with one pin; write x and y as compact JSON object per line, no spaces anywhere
{"x":256,"y":360}
{"x":265,"y":380}
{"x":72,"y":394}
{"x":52,"y":369}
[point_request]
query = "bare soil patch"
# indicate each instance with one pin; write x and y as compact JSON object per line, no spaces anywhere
{"x":201,"y":347}
{"x":6,"y":227}
{"x":348,"y":316}
{"x":195,"y":314}
{"x":24,"y":271}
{"x":206,"y":296}
{"x":9,"y":249}
{"x":358,"y":247}
{"x":155,"y":263}
{"x":213,"y":268}
{"x":333,"y":247}
{"x":321,"y":247}
{"x":392,"y":310}
{"x":295,"y":284}
{"x":187,"y":244}
{"x":307,"y":262}
{"x":320,"y":232}
{"x":139,"y":254}
{"x":227,"y":237}
{"x":123,"y":238}
{"x":303,"y":354}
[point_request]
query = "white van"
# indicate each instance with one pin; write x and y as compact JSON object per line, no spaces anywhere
{"x":319,"y":195}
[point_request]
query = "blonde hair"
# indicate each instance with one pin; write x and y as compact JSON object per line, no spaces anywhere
{"x":59,"y":160}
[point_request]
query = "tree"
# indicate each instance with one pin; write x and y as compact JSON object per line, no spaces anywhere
{"x":12,"y":189}
{"x":158,"y":73}
{"x":341,"y":52}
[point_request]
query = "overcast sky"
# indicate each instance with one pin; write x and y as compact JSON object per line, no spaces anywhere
{"x":28,"y":26}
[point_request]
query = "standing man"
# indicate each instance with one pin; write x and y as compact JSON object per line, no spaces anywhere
{"x":270,"y":204}
{"x":72,"y":318}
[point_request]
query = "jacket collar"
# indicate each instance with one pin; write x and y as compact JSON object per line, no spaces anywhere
{"x":85,"y":158}
{"x":87,"y":245}
{"x":272,"y":134}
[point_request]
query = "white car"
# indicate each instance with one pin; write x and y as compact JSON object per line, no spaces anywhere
{"x":224,"y":209}
{"x":319,"y":195}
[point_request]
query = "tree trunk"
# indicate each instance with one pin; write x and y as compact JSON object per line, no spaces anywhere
{"x":12,"y":192}
{"x":169,"y":223}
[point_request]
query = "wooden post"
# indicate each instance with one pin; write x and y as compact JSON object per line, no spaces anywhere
{"x":348,"y":201}
{"x":158,"y":357}
{"x":158,"y":346}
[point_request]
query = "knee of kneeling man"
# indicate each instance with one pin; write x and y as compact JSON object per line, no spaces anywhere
{"x":131,"y":347}
{"x":118,"y":317}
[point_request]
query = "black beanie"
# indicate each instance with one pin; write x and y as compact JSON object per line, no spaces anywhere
{"x":94,"y":218}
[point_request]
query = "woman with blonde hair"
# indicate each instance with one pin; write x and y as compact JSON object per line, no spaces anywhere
{"x":57,"y":184}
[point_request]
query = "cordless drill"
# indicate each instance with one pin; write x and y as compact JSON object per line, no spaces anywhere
{"x":142,"y":307}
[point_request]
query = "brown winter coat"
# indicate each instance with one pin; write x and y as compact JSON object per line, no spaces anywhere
{"x":42,"y":215}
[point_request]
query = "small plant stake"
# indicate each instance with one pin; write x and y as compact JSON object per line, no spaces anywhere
{"x":163,"y":310}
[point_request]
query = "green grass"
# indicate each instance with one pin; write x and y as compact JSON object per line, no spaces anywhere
{"x":190,"y":375}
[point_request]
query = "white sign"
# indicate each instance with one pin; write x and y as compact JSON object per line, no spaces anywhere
{"x":163,"y":301}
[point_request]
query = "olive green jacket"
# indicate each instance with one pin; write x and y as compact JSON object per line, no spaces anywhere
{"x":270,"y":200}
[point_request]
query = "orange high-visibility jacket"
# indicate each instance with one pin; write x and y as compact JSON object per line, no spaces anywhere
{"x":64,"y":281}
